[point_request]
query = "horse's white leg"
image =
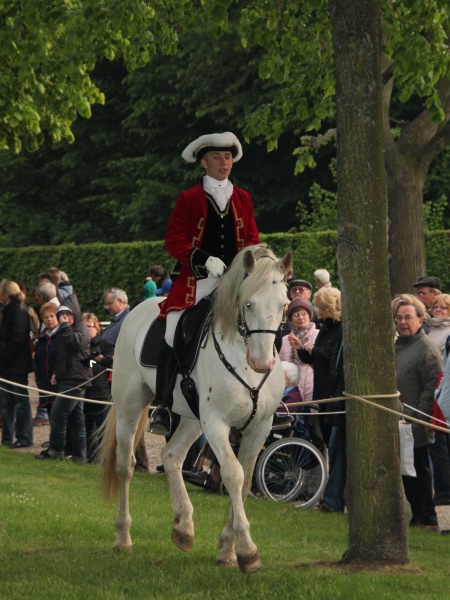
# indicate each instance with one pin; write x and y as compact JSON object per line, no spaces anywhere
{"x":173,"y":455}
{"x":247,"y":458}
{"x":233,"y":478}
{"x":128,"y":416}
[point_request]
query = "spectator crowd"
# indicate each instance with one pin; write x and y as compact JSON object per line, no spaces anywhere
{"x":71,"y":354}
{"x":71,"y":358}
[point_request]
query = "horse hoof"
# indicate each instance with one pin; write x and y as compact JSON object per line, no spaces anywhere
{"x":231,"y":562}
{"x":123,"y":549}
{"x":250,"y":563}
{"x":182,"y":540}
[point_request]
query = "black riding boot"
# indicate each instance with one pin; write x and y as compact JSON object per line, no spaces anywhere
{"x":166,"y":375}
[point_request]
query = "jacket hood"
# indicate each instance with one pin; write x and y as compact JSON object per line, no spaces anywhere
{"x":71,"y":303}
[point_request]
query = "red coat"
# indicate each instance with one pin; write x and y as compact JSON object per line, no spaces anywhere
{"x":186,"y":230}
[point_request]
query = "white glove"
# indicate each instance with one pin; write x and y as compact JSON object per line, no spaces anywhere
{"x":215,"y":266}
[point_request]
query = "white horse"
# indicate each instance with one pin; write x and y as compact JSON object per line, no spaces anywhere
{"x":240,"y":381}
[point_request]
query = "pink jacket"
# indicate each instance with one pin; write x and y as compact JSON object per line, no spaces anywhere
{"x":306,"y":382}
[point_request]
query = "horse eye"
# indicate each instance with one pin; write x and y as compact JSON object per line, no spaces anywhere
{"x":248,"y":305}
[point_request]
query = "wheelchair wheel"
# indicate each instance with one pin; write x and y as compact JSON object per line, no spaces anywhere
{"x":291,"y":469}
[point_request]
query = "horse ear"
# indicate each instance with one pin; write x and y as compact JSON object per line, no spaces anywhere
{"x":285,"y":264}
{"x":249,"y":261}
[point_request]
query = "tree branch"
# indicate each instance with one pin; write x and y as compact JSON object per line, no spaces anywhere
{"x":315,"y":142}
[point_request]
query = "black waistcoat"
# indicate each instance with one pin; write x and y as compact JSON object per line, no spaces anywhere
{"x":220,"y":236}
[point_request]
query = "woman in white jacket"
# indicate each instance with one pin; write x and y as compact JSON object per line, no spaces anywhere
{"x":300,"y":313}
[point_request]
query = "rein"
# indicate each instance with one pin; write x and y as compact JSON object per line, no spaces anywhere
{"x":254,"y":391}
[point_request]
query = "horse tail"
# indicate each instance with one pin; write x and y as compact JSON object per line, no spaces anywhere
{"x":107,"y":456}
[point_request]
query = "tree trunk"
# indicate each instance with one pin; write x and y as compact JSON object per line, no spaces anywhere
{"x":376,"y":503}
{"x":407,"y":162}
{"x":407,"y":258}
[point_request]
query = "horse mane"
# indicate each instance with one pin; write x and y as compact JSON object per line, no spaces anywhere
{"x":238,"y":286}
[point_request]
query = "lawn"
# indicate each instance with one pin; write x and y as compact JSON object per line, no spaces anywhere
{"x":56,"y":537}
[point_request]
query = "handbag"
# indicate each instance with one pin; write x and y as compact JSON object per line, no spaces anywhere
{"x":406,"y":449}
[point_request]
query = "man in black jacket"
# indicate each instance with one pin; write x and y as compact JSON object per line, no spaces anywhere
{"x":71,"y":375}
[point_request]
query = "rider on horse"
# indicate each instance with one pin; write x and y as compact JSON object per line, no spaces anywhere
{"x":209,"y":224}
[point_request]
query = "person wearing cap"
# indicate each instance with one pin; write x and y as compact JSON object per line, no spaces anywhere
{"x":427,"y":288}
{"x":210,"y":223}
{"x":302,"y":289}
{"x":303,"y":332}
{"x":70,"y":375}
{"x":164,"y":289}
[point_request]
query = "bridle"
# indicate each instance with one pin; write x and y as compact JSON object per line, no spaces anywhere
{"x":245,"y":333}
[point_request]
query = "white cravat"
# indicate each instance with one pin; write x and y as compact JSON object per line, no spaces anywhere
{"x":221,"y":191}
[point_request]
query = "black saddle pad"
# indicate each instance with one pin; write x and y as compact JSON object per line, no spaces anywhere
{"x":152,"y":343}
{"x":191,"y":332}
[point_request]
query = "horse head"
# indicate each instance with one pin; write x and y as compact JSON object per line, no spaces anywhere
{"x":254,"y":285}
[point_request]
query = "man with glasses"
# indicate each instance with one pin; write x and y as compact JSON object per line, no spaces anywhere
{"x":301,"y":289}
{"x":427,"y":288}
{"x":418,"y":365}
{"x":116,"y":303}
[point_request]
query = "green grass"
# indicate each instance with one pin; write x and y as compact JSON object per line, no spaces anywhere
{"x":56,"y":537}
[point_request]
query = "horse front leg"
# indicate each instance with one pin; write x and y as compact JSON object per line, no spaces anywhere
{"x":173,"y":455}
{"x":237,"y":527}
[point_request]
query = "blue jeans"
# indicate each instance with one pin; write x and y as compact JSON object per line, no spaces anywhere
{"x":62,"y":409}
{"x":16,"y":411}
{"x":42,"y":412}
{"x":333,"y":495}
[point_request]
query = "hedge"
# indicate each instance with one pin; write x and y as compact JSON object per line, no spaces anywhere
{"x":93,"y":268}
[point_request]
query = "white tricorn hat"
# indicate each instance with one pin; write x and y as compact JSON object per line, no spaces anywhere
{"x":214,"y":141}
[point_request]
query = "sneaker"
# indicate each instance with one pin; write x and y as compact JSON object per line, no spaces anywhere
{"x":45,"y":444}
{"x":49,"y":455}
{"x":18,"y":444}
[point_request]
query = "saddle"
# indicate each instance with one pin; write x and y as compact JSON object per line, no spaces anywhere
{"x":191,"y":332}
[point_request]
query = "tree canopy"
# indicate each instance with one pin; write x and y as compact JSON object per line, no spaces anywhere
{"x":270,"y":75}
{"x":49,"y":47}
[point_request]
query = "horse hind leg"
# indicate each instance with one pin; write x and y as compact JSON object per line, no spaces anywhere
{"x":227,"y":551}
{"x":173,"y":455}
{"x":126,"y":435}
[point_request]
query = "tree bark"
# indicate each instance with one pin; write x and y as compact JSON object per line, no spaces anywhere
{"x":378,"y":530}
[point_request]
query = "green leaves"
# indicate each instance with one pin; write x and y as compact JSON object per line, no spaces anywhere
{"x":49,"y":47}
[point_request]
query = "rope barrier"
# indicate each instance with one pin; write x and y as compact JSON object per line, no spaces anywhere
{"x":365,"y":398}
{"x":29,"y":387}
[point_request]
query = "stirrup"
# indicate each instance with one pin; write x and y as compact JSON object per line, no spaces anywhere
{"x":159,"y":428}
{"x":282,"y":421}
